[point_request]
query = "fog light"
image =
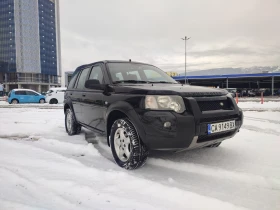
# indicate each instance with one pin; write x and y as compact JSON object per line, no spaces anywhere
{"x":167,"y":124}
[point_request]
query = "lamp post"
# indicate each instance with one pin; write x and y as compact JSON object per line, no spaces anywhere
{"x":186,"y":39}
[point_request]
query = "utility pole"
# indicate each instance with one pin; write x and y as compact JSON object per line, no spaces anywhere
{"x":186,"y":39}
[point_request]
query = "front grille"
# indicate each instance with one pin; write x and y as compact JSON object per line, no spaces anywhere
{"x":214,"y":105}
{"x":218,"y":119}
{"x":204,"y":138}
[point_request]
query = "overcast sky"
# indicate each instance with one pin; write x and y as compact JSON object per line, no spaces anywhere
{"x":224,"y":33}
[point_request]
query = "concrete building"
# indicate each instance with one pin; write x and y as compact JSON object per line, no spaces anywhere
{"x":30,"y":44}
{"x":68,"y":76}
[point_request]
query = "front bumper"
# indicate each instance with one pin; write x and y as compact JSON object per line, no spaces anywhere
{"x":188,"y":130}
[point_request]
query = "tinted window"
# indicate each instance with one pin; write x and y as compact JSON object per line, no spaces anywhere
{"x":82,"y":79}
{"x":96,"y":73}
{"x":30,"y":93}
{"x":73,"y":80}
{"x":21,"y":92}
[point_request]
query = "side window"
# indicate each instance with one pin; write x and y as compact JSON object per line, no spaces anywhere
{"x":73,"y":80}
{"x":82,"y":79}
{"x":20,"y":93}
{"x":30,"y":93}
{"x":96,"y":73}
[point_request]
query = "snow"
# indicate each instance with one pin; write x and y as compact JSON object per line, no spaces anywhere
{"x":41,"y":167}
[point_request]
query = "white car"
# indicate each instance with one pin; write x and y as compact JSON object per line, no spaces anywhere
{"x":55,"y":95}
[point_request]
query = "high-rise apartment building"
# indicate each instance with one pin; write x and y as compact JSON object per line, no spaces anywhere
{"x":30,"y":44}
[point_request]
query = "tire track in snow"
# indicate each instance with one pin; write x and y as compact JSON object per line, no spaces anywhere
{"x":252,"y":179}
{"x":263,"y":120}
{"x":260,"y":130}
{"x":255,"y":180}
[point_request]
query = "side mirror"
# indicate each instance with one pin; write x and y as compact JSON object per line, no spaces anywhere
{"x":94,"y":84}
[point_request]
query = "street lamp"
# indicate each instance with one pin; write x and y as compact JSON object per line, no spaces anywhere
{"x":186,"y":39}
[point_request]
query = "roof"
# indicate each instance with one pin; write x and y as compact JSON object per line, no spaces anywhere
{"x":58,"y":88}
{"x":25,"y":90}
{"x":108,"y":61}
{"x":225,"y":76}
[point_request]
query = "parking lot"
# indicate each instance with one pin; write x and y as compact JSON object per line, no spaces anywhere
{"x":44,"y":168}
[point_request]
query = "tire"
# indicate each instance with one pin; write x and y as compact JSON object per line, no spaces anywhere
{"x":14,"y":101}
{"x":42,"y":101}
{"x":53,"y":101}
{"x":215,"y":145}
{"x":127,"y":148}
{"x":71,"y":126}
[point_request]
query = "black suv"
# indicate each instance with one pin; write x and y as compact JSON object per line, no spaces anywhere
{"x":140,"y":108}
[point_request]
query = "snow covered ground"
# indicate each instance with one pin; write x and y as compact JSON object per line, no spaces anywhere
{"x":41,"y":167}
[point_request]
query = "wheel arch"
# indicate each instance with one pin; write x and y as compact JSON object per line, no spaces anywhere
{"x":120,"y":110}
{"x":15,"y":99}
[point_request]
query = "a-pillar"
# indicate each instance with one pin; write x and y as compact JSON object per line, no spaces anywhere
{"x":272,"y":86}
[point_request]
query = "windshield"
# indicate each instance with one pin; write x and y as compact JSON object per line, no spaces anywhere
{"x":137,"y":73}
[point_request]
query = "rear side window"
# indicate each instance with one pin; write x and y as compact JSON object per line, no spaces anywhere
{"x":20,"y":92}
{"x":82,"y":79}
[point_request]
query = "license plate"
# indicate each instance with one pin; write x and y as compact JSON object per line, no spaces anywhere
{"x":220,"y":127}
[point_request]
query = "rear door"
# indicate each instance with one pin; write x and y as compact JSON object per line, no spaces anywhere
{"x":78,"y":95}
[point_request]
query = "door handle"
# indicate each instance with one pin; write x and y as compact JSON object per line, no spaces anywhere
{"x":84,"y":95}
{"x":71,"y":94}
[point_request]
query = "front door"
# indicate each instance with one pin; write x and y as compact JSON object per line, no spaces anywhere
{"x":31,"y":97}
{"x":93,"y":104}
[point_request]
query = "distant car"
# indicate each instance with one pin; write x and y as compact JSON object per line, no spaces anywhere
{"x":55,"y":95}
{"x":16,"y":96}
{"x":232,"y":91}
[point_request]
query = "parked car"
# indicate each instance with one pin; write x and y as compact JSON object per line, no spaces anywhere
{"x":140,"y":108}
{"x":55,"y":95}
{"x":16,"y":96}
{"x":232,"y":91}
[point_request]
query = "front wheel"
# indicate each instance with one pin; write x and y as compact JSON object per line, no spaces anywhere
{"x":127,"y":148}
{"x":42,"y":101}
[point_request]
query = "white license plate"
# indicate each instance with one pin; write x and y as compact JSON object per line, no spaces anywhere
{"x":220,"y":127}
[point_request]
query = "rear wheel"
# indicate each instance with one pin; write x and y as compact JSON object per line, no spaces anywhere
{"x":14,"y":101}
{"x":215,"y":145}
{"x":71,"y":126}
{"x":127,"y":148}
{"x":53,"y":101}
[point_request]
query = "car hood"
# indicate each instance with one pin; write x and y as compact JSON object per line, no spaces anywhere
{"x":168,"y":89}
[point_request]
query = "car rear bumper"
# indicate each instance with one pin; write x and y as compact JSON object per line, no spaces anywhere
{"x":188,"y":130}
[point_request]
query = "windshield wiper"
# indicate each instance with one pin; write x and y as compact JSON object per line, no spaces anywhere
{"x":130,"y":81}
{"x":163,"y":82}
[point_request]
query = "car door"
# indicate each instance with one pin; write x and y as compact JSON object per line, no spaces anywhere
{"x":78,"y":95}
{"x":60,"y":95}
{"x":21,"y":96}
{"x":30,"y":96}
{"x":93,"y":103}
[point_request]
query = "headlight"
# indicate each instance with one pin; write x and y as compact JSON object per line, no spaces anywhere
{"x":174,"y":103}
